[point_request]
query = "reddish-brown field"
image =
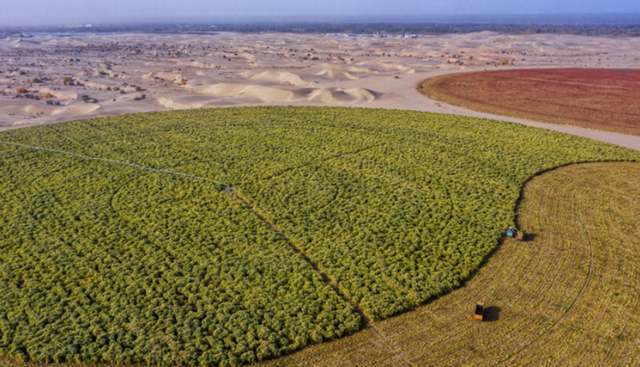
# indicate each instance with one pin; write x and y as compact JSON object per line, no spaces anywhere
{"x":606,"y":99}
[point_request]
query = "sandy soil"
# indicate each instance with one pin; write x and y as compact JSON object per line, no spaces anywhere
{"x":119,"y":74}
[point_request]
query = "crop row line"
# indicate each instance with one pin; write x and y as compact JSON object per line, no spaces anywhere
{"x":327,"y":280}
{"x":137,"y":166}
{"x":570,"y":305}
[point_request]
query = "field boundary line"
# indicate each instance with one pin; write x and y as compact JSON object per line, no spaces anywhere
{"x":113,"y":161}
{"x":325,"y":277}
{"x":327,"y":280}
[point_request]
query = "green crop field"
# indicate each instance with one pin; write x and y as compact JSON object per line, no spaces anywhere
{"x":227,"y":236}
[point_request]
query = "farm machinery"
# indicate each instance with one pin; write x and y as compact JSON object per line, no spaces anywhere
{"x":479,"y":314}
{"x":512,"y":232}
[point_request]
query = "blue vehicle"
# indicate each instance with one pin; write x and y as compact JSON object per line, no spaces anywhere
{"x":515,"y":233}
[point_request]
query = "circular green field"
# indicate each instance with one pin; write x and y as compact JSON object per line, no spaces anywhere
{"x":226,"y":236}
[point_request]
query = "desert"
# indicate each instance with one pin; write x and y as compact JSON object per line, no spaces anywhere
{"x":118,"y":74}
{"x":278,"y":199}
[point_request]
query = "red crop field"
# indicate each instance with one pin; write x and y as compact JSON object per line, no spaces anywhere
{"x":606,"y":99}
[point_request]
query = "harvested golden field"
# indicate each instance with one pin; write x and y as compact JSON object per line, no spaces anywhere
{"x":569,"y":297}
{"x":605,"y":99}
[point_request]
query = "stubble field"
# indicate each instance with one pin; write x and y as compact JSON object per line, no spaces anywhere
{"x":569,"y":297}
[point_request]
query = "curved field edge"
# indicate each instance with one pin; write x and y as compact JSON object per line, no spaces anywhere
{"x":425,"y":88}
{"x":368,"y":154}
{"x":510,"y":102}
{"x":569,"y":296}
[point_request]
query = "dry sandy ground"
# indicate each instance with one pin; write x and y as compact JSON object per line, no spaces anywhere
{"x":114,"y":72}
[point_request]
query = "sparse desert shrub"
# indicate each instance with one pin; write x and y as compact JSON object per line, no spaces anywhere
{"x":183,"y":81}
{"x":67,"y":79}
{"x":21,"y":90}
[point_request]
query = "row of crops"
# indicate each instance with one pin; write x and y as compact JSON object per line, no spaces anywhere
{"x":103,"y":262}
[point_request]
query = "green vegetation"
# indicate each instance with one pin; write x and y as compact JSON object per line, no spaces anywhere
{"x":101,"y":262}
{"x":567,"y":298}
{"x":112,"y":263}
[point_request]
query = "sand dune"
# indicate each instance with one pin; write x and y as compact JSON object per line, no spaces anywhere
{"x":388,"y":66}
{"x":24,"y":109}
{"x":169,"y":76}
{"x":279,"y":77}
{"x":202,"y":65}
{"x":275,"y":95}
{"x":188,"y":102}
{"x":341,"y":95}
{"x":255,"y":92}
{"x":21,"y":42}
{"x":339,"y":71}
{"x":34,"y":114}
{"x":246,"y":69}
{"x":96,"y":85}
{"x":75,"y":110}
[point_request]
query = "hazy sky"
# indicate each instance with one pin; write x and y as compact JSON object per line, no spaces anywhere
{"x":62,"y":10}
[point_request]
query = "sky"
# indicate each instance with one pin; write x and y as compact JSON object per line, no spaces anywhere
{"x":61,"y":11}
